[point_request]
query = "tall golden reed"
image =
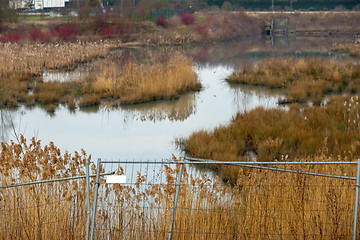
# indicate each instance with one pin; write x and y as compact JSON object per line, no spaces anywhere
{"x":35,"y":57}
{"x":41,"y":211}
{"x":261,"y":205}
{"x":127,"y":84}
{"x":156,"y":80}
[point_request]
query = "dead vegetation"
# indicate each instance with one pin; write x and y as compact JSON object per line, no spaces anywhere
{"x":23,"y":64}
{"x":270,"y":134}
{"x":305,"y":79}
{"x":261,"y":204}
{"x":352,"y":48}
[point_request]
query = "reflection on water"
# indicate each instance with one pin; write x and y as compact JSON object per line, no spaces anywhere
{"x":62,"y":76}
{"x":247,"y":97}
{"x":6,"y":125}
{"x":175,"y":110}
{"x":148,"y":131}
{"x":143,"y":131}
{"x":250,"y":50}
{"x":10,"y":124}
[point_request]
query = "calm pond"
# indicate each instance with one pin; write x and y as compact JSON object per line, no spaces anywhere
{"x":148,"y":131}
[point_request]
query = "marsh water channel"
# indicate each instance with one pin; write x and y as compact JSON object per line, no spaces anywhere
{"x":148,"y":131}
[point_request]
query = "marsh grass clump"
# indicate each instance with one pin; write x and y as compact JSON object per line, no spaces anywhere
{"x":304,"y":79}
{"x":71,"y":103}
{"x":49,"y":92}
{"x":157,"y":80}
{"x":13,"y":91}
{"x":271,"y":134}
{"x":89,"y":100}
{"x":19,"y":79}
{"x":21,"y":82}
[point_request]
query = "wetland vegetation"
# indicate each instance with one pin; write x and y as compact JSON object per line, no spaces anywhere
{"x":131,"y":83}
{"x":304,"y":79}
{"x":37,"y":211}
{"x":351,"y":48}
{"x":329,"y":125}
{"x":274,"y":134}
{"x":327,"y":131}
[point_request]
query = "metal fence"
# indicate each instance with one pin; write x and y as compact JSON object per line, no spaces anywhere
{"x":310,"y":200}
{"x":182,"y":199}
{"x":46,"y":209}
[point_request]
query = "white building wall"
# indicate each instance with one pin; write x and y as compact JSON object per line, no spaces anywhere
{"x":54,"y":3}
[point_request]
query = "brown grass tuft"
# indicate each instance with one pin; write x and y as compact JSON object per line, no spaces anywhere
{"x":136,"y":83}
{"x":305,"y":79}
{"x":89,"y":100}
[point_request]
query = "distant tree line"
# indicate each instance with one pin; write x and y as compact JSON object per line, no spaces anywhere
{"x":283,"y":4}
{"x":238,"y":4}
{"x":6,"y":14}
{"x":144,"y":9}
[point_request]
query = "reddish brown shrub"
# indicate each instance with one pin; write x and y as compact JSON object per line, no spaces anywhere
{"x":202,"y":30}
{"x":11,"y":37}
{"x":66,"y":33}
{"x":161,"y":21}
{"x":187,"y":18}
{"x":38,"y":35}
{"x":106,"y":32}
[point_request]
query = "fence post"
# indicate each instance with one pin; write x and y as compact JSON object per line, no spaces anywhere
{"x":88,"y":198}
{"x":177,"y":192}
{"x":95,"y":199}
{"x":356,"y":199}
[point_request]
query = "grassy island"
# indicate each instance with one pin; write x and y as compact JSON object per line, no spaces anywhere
{"x":304,"y":79}
{"x":22,"y":83}
{"x":275,"y":134}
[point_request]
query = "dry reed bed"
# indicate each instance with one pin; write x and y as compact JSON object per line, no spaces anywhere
{"x":33,"y":58}
{"x":270,"y":134}
{"x":304,"y":79}
{"x":132,"y":83}
{"x":19,"y":63}
{"x":143,"y":82}
{"x":352,"y":49}
{"x":43,"y":211}
{"x":260,"y":205}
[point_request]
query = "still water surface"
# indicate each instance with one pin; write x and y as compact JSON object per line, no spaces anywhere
{"x":148,"y":131}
